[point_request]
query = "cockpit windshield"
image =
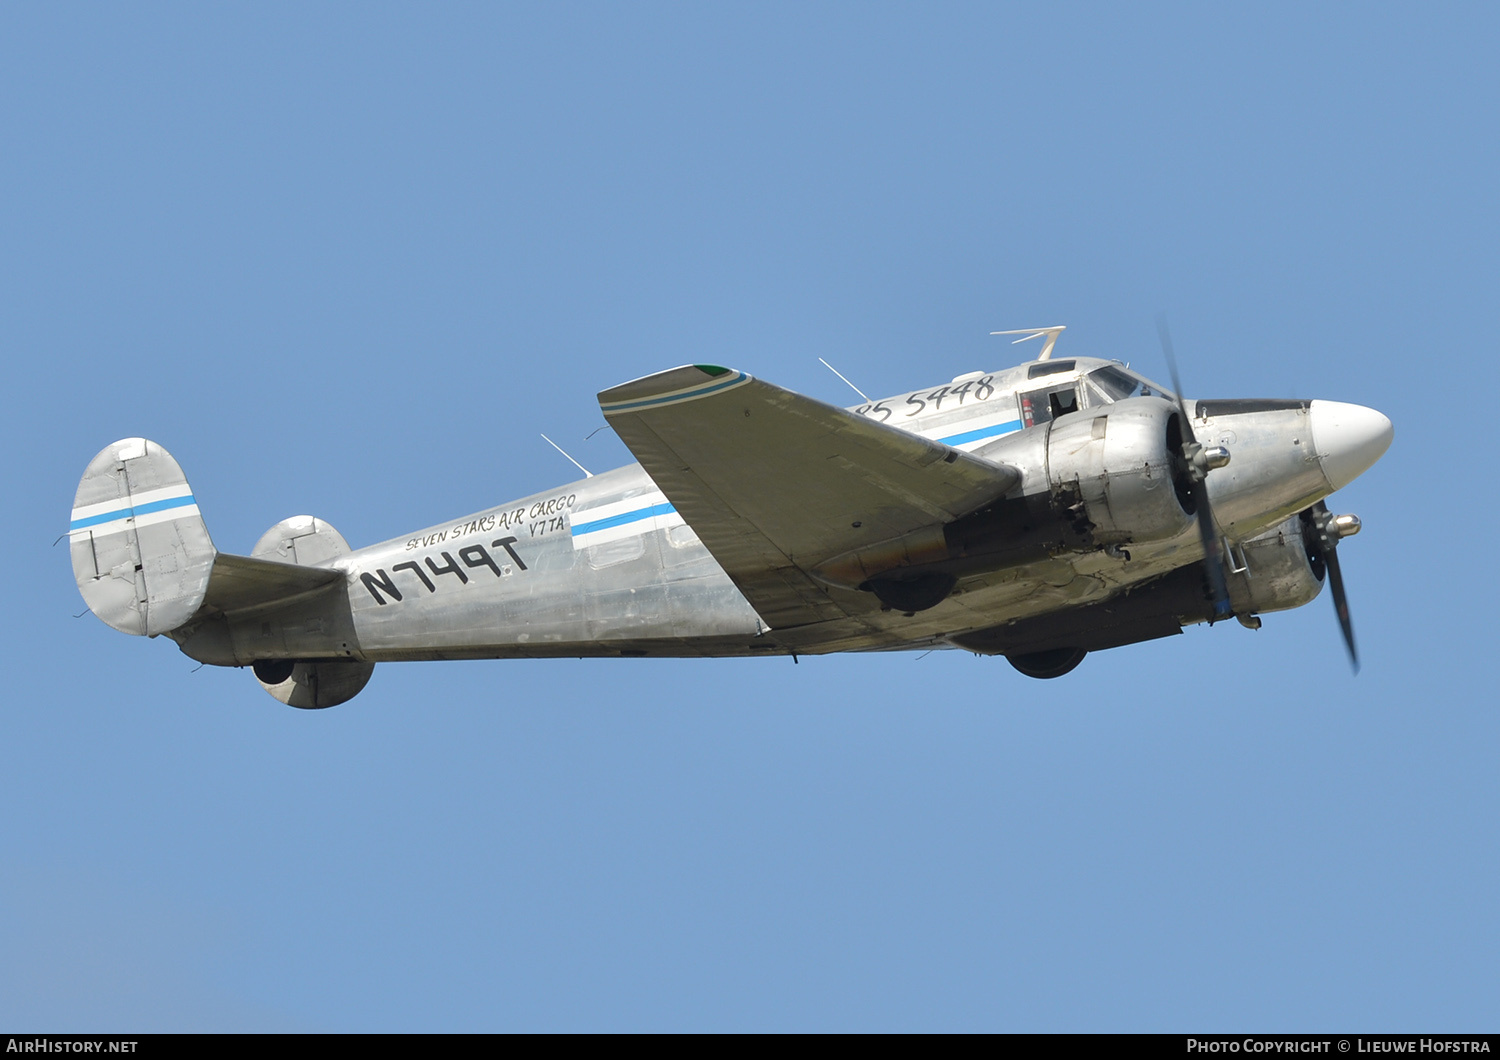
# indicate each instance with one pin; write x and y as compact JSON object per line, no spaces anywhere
{"x":1117,"y":384}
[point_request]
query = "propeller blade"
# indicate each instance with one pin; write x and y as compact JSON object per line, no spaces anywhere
{"x":1166,"y":348}
{"x":1213,"y":562}
{"x":1328,"y":541}
{"x":1341,"y":606}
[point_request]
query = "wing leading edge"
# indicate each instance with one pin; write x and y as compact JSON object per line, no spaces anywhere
{"x":780,"y":488}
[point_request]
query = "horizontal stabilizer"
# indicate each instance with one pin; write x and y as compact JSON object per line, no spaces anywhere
{"x":240,"y":582}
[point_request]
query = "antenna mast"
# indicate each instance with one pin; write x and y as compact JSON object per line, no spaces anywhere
{"x":1036,"y":333}
{"x":841,"y":375}
{"x":586,"y":472}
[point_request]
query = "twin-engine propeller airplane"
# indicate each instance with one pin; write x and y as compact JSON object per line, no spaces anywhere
{"x":1040,"y":513}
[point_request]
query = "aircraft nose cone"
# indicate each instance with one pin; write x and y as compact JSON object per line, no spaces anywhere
{"x":1348,"y":439}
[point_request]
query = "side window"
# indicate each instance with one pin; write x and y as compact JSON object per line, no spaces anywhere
{"x":1040,"y":406}
{"x":1034,"y":408}
{"x":622,"y":550}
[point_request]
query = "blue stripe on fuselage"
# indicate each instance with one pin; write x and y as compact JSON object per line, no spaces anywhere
{"x":622,"y":519}
{"x":983,"y":432}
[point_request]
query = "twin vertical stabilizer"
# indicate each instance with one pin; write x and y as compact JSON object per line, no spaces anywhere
{"x":144,"y":561}
{"x":141,"y":554}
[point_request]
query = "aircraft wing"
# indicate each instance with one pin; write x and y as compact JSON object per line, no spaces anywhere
{"x":776,"y":484}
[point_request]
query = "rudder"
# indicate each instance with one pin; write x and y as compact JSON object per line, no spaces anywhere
{"x":141,"y":554}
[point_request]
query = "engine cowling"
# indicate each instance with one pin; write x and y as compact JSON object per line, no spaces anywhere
{"x":1123,"y":467}
{"x":1086,"y":482}
{"x":313,"y":685}
{"x":1275,"y":571}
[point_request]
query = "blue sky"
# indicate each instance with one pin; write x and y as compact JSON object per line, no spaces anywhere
{"x":350,"y":261}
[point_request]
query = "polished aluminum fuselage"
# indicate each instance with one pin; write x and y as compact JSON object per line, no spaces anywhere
{"x":605,"y":567}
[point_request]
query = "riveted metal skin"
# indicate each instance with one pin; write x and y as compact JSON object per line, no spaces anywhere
{"x":1006,"y":512}
{"x":141,"y":554}
{"x":1119,"y":463}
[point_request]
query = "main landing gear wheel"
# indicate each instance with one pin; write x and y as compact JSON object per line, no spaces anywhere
{"x":1043,"y":664}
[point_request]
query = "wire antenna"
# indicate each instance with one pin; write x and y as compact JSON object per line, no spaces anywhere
{"x":841,"y":375}
{"x":586,"y":472}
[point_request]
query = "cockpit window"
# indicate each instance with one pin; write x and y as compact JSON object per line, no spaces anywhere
{"x":1048,"y":368}
{"x":1118,"y":384}
{"x":1115,"y":383}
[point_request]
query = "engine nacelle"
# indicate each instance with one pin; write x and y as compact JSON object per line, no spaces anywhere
{"x":1271,"y":572}
{"x":1274,"y":571}
{"x":1123,"y":467}
{"x":313,"y":685}
{"x":1087,"y":481}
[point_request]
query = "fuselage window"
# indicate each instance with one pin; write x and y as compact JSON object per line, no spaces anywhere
{"x":1029,"y":410}
{"x":1039,"y":406}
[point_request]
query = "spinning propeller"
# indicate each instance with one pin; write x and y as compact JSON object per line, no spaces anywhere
{"x":1321,"y":529}
{"x":1193,"y":464}
{"x":1321,"y":533}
